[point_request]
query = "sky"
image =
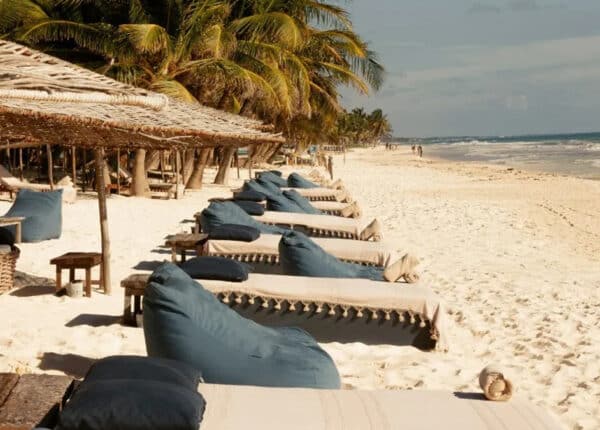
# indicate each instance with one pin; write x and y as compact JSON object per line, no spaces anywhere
{"x":483,"y":68}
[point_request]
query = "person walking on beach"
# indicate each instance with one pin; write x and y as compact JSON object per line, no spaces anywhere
{"x":413,"y":148}
{"x":420,"y":150}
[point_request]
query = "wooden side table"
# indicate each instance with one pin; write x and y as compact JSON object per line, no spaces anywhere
{"x":13,"y":220}
{"x":183,"y":242}
{"x":78,"y":260}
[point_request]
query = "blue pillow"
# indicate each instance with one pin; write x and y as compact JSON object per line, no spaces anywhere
{"x":219,"y":213}
{"x":147,"y":368}
{"x":251,"y":208}
{"x":273,"y":178}
{"x":241,"y":233}
{"x":300,"y":256}
{"x":302,"y":201}
{"x":132,"y":404}
{"x":280,"y":203}
{"x":252,"y":196}
{"x":297,"y":181}
{"x":218,"y":268}
{"x":185,"y":322}
{"x":42,"y":212}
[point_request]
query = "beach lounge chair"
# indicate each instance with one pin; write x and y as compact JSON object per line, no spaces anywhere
{"x":225,"y":212}
{"x":324,"y":225}
{"x":366,"y":410}
{"x":12,"y":185}
{"x":263,"y":253}
{"x":229,"y":407}
{"x":327,"y":194}
{"x":331,"y":310}
{"x":264,"y":250}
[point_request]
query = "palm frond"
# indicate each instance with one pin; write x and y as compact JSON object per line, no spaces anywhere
{"x":173,"y":88}
{"x":146,"y":38}
{"x":274,"y":27}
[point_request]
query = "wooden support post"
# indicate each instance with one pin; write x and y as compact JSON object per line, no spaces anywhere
{"x":50,"y":166}
{"x":21,"y":163}
{"x":162,"y":165}
{"x":74,"y":165}
{"x":84,"y":182}
{"x":101,"y":185}
{"x":177,"y":174}
{"x":236,"y":157}
{"x":119,"y":171}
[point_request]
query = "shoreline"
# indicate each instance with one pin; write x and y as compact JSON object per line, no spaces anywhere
{"x":513,"y":255}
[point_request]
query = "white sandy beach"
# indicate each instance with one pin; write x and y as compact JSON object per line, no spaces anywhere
{"x":516,"y":256}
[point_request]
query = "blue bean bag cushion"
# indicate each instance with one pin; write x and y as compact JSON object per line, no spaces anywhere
{"x":42,"y":212}
{"x":185,"y":322}
{"x":241,"y":233}
{"x":297,"y":181}
{"x":280,"y":203}
{"x":251,"y":196}
{"x":300,"y":256}
{"x":270,"y":186}
{"x":135,"y":393}
{"x":218,"y":268}
{"x":302,"y":201}
{"x":219,"y":213}
{"x":273,"y":178}
{"x":255,"y":187}
{"x":251,"y":208}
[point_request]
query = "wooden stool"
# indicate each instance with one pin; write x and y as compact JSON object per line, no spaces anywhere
{"x":183,"y":242}
{"x":134,"y":287}
{"x":78,"y":260}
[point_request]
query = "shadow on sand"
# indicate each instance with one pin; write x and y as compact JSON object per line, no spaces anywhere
{"x":93,"y":320}
{"x":29,"y":285}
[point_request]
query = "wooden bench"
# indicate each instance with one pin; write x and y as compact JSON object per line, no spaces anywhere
{"x":28,"y":401}
{"x":78,"y":260}
{"x":183,"y":242}
{"x":13,"y":220}
{"x":162,"y":189}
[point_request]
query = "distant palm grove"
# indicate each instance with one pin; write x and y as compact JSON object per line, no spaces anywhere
{"x":281,"y":61}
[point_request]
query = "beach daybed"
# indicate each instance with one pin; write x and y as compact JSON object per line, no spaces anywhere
{"x":324,"y":225}
{"x":331,"y":310}
{"x":263,"y":253}
{"x":218,"y":213}
{"x":178,"y":400}
{"x":265,"y":250}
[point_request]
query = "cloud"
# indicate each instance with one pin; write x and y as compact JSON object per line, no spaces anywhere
{"x":484,"y":8}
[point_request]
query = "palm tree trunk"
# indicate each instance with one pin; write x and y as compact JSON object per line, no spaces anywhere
{"x":225,"y":162}
{"x":152,"y":160}
{"x":195,"y":180}
{"x":139,"y":181}
{"x":273,"y":154}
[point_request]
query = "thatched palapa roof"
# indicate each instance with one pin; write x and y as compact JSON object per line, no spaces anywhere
{"x":46,"y":100}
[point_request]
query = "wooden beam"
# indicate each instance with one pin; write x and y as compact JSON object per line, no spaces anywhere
{"x":50,"y":166}
{"x":21,"y":163}
{"x":105,"y":240}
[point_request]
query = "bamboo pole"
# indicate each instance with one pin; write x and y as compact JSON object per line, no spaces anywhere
{"x":74,"y":165}
{"x":101,"y":185}
{"x":177,"y":174}
{"x":84,"y":172}
{"x":21,"y":164}
{"x":50,"y":166}
{"x":119,"y":171}
{"x":237,"y":162}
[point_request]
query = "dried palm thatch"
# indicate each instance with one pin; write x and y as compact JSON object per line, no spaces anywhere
{"x":50,"y":101}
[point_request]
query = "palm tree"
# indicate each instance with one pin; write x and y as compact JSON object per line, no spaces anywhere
{"x":282,"y":61}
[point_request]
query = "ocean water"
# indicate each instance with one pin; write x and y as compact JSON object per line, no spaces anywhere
{"x":564,"y":154}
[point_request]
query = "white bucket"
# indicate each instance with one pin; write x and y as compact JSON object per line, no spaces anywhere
{"x":74,"y":289}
